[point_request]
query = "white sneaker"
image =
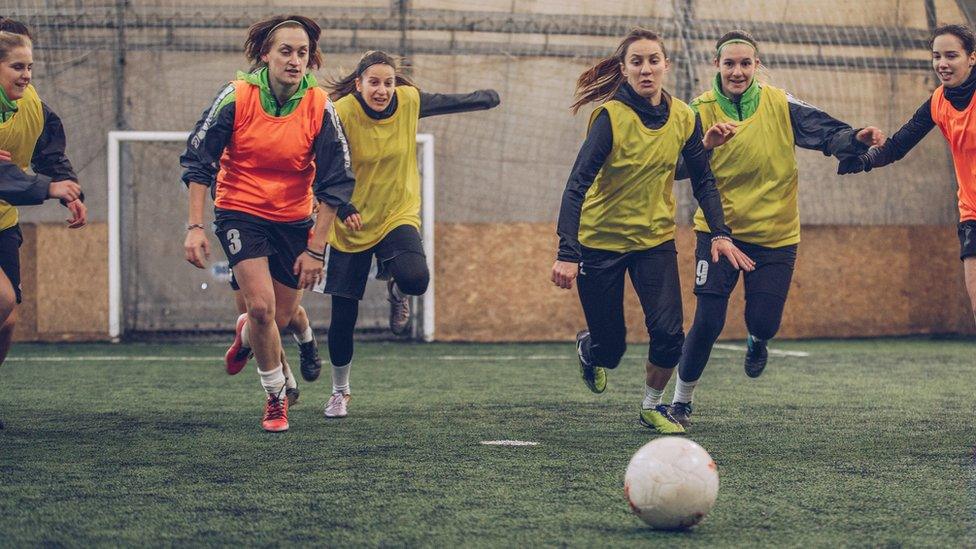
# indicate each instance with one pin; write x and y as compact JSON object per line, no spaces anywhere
{"x":337,"y":406}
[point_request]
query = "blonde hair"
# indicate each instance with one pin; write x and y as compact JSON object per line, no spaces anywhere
{"x":10,"y":41}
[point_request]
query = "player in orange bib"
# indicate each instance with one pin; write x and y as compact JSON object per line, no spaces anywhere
{"x":952,"y":109}
{"x":272,"y":144}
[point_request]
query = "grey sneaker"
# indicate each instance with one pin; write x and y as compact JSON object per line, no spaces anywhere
{"x":399,"y":310}
{"x":681,"y":412}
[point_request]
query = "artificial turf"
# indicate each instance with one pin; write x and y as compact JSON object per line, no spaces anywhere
{"x":859,"y":443}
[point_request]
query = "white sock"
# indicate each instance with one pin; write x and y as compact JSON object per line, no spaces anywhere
{"x":246,"y":335}
{"x":684,"y":391}
{"x":340,"y":379}
{"x":273,"y":381}
{"x":305,"y":336}
{"x":652,"y":397}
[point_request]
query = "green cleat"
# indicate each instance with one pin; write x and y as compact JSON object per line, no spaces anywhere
{"x":594,"y":377}
{"x":659,"y":419}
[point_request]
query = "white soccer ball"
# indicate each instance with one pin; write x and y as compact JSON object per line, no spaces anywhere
{"x":671,"y":483}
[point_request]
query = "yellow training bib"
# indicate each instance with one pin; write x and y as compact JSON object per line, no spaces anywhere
{"x":19,"y":136}
{"x":756,"y":171}
{"x":630,"y":205}
{"x":384,"y":161}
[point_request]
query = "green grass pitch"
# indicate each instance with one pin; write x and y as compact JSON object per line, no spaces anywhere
{"x":865,"y":443}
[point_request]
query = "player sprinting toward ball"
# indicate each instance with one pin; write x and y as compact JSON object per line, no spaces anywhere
{"x":617,"y":215}
{"x":271,"y":143}
{"x":380,"y":109}
{"x":756,"y":175}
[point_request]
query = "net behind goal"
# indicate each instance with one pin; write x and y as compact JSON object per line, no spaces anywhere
{"x":150,"y":293}
{"x":154,"y":65}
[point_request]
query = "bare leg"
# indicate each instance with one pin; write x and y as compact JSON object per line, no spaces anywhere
{"x":8,"y":315}
{"x":969,"y":267}
{"x":259,"y":293}
{"x":657,"y":377}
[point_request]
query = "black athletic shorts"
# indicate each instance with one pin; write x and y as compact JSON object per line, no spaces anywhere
{"x":245,"y":236}
{"x":967,"y":239}
{"x":10,"y":241}
{"x":773,"y":274}
{"x":347,"y":273}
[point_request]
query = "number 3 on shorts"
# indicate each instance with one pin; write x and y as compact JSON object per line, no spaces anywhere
{"x":701,"y":272}
{"x":234,"y":241}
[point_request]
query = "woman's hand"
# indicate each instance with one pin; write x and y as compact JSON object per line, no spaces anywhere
{"x":353,"y":222}
{"x":871,"y":136}
{"x":718,"y":135}
{"x":724,"y":247}
{"x":196,"y":247}
{"x":564,"y":273}
{"x":308,"y":269}
{"x":66,"y":191}
{"x":79,"y":214}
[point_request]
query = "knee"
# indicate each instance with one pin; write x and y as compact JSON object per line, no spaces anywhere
{"x":762,"y":327}
{"x":412,"y":276}
{"x":665,"y":348}
{"x":10,"y":322}
{"x":415,"y":285}
{"x":261,"y":311}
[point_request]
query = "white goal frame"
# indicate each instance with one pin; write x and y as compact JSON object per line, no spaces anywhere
{"x":115,"y":140}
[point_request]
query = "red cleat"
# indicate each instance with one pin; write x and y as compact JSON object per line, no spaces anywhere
{"x":236,"y":357}
{"x":275,"y":414}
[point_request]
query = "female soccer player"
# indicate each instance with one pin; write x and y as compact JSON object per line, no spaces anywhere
{"x":31,"y":135}
{"x":270,"y":142}
{"x":756,"y":174}
{"x":951,"y":108}
{"x":379,"y":108}
{"x":617,"y":215}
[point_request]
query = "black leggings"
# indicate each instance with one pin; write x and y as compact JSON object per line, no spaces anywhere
{"x":764,"y":312}
{"x":654,"y":275}
{"x":409,"y":271}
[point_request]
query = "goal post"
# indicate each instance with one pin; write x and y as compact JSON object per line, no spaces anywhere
{"x":424,"y":331}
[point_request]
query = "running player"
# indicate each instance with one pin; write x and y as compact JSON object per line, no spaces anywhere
{"x":379,"y":108}
{"x":31,"y":136}
{"x":756,"y":174}
{"x":951,"y":108}
{"x":270,"y":142}
{"x":617,"y":215}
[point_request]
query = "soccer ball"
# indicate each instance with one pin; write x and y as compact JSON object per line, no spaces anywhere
{"x":671,"y":483}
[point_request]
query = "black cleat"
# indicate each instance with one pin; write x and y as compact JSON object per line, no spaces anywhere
{"x":310,"y":361}
{"x":681,"y":412}
{"x":292,"y":394}
{"x":756,"y":356}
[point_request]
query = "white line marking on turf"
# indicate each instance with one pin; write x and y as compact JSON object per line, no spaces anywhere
{"x":509,"y":443}
{"x":447,"y":358}
{"x":776,"y":352}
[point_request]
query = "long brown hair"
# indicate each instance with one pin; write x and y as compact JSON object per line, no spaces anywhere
{"x":260,"y":38}
{"x":342,"y":87}
{"x":599,"y":82}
